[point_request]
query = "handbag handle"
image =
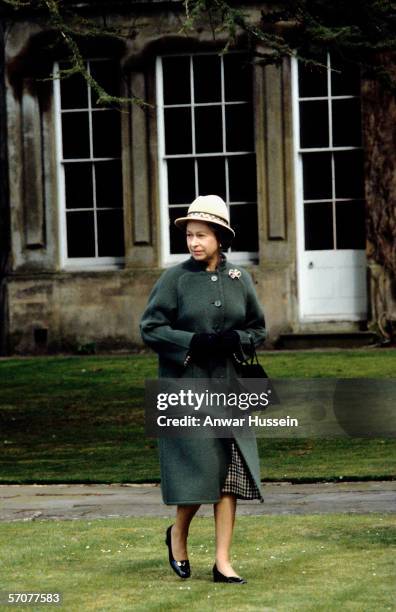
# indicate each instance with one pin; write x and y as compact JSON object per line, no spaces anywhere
{"x":253,"y":356}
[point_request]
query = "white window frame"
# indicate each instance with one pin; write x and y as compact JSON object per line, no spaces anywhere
{"x":77,"y":263}
{"x":167,"y":258}
{"x":298,"y":162}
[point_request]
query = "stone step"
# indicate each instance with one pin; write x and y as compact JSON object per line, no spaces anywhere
{"x":309,"y":340}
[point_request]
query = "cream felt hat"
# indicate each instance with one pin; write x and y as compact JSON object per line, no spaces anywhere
{"x":210,"y":209}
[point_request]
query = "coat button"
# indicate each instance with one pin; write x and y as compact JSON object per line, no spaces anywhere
{"x":214,"y":277}
{"x":217,"y":303}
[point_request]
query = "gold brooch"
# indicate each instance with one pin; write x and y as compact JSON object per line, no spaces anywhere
{"x":234,"y":273}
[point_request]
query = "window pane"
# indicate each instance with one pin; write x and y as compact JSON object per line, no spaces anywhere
{"x":350,"y":220}
{"x":237,"y":78}
{"x":208,"y":129}
{"x":243,"y":218}
{"x":346,"y":123}
{"x":106,"y":133}
{"x":317,"y":176}
{"x":318,"y":220}
{"x":211,"y":176}
{"x":176,"y":79}
{"x":314,"y":124}
{"x":78,"y":184}
{"x":207,"y":78}
{"x":242,"y":178}
{"x":312,"y":80}
{"x":177,"y":237}
{"x":345,"y":79}
{"x":108,"y":178}
{"x":181,"y":181}
{"x":178,"y":131}
{"x":349,"y":180}
{"x":239,"y":127}
{"x":107,"y":75}
{"x":74,"y":91}
{"x":110,"y":233}
{"x":80,"y":234}
{"x":75,"y":135}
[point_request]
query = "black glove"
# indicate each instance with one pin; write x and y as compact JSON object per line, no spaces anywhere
{"x":204,"y":346}
{"x":230,"y":342}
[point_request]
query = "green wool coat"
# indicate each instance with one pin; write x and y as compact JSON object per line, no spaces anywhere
{"x":187,"y":300}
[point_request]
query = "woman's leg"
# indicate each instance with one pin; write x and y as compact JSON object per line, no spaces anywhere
{"x":179,"y":532}
{"x":224,"y":513}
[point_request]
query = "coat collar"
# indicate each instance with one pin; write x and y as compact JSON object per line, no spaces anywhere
{"x":200,"y":266}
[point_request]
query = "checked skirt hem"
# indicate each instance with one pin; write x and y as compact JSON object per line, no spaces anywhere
{"x":238,"y":481}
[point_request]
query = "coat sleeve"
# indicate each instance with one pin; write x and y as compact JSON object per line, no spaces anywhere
{"x":157,"y":325}
{"x":255,"y":322}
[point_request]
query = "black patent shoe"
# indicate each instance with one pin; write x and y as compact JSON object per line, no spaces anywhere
{"x":181,"y":568}
{"x":219,"y":577}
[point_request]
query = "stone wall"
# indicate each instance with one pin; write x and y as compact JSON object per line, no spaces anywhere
{"x":69,"y":311}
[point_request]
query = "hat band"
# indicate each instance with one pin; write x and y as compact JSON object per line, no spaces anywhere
{"x":208,"y":216}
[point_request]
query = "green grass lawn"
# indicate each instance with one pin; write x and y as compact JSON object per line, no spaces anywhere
{"x":312,"y":563}
{"x":80,"y":419}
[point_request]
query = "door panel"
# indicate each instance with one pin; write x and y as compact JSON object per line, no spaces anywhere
{"x":334,"y":284}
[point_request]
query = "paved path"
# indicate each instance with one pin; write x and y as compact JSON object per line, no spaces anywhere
{"x":30,"y":502}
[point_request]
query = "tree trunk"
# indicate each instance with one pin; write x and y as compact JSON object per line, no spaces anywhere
{"x":379,"y":121}
{"x":4,"y":203}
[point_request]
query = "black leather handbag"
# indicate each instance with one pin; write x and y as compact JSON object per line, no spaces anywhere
{"x":250,"y":368}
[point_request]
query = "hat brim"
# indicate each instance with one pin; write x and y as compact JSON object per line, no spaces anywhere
{"x":182,"y":221}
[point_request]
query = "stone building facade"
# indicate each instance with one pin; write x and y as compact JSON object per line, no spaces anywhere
{"x":89,"y":193}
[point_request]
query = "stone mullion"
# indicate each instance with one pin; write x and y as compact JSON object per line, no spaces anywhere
{"x":33,"y":193}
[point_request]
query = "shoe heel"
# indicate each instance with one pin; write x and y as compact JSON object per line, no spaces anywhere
{"x":219,"y":577}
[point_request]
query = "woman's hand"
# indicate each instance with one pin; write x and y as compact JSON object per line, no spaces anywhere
{"x":229,"y":342}
{"x":204,"y":345}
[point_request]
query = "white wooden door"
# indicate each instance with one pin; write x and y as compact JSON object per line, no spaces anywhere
{"x":329,"y":192}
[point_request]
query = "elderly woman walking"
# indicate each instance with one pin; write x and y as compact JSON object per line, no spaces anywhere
{"x":202,"y":318}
